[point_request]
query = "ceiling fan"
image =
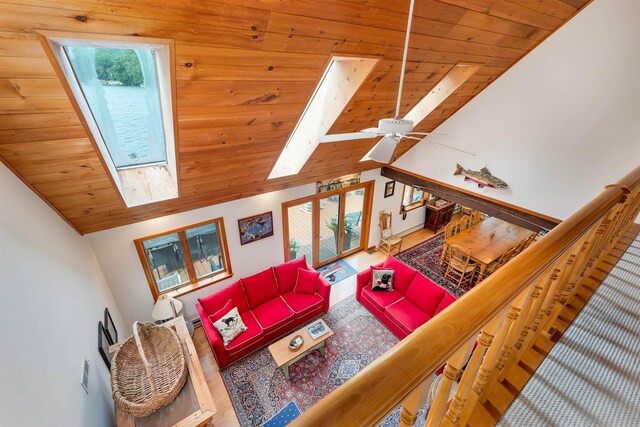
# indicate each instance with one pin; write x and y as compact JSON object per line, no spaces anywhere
{"x":392,"y":130}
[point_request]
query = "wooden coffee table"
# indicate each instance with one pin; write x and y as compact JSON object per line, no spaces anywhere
{"x":285,"y":357}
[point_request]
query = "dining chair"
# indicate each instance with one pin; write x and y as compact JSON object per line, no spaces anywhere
{"x":502,"y":260}
{"x":476,"y":217}
{"x":460,"y":267}
{"x":465,"y":222}
{"x":450,"y":230}
{"x":387,"y":240}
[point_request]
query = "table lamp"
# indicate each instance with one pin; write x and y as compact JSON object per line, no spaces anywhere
{"x":166,"y":308}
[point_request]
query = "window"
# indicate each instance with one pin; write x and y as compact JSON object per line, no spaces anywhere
{"x":450,"y":82}
{"x":122,"y":89}
{"x":412,"y":198}
{"x":340,"y":81}
{"x":181,"y":261}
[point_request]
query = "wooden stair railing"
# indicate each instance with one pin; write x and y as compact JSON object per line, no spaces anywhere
{"x":488,"y":329}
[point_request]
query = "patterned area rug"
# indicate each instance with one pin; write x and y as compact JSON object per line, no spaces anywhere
{"x":425,"y":257}
{"x":259,"y":390}
{"x":336,"y":271}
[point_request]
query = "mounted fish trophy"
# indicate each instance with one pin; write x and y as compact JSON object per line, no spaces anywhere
{"x":482,"y":177}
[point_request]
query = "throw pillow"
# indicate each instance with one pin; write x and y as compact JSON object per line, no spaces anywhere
{"x":307,"y":281}
{"x":220,"y":313}
{"x":230,"y":326}
{"x":386,"y":233}
{"x":382,"y":280}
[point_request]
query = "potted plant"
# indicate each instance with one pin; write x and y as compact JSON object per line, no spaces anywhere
{"x":294,"y":247}
{"x":348,"y":229}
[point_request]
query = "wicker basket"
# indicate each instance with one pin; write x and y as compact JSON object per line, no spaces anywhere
{"x":149,"y":370}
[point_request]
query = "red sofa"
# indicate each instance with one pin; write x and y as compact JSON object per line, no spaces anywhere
{"x":413,"y":301}
{"x":268,"y":305}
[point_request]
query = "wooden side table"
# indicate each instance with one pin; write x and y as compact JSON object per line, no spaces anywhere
{"x":194,"y":405}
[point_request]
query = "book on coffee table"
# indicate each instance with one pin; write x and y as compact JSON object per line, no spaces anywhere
{"x":317,"y":329}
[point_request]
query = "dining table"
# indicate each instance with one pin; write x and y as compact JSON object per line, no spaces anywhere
{"x":488,"y":240}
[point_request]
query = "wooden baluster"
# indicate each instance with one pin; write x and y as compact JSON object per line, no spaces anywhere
{"x":452,"y":371}
{"x":414,"y":402}
{"x":464,"y":399}
{"x":553,"y":309}
{"x":489,"y":362}
{"x":534,"y":317}
{"x":507,"y":355}
{"x":518,"y":304}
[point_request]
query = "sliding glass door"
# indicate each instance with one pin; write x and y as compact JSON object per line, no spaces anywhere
{"x":328,"y":226}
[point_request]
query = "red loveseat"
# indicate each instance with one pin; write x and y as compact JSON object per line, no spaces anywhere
{"x":413,"y":301}
{"x":268,"y":305}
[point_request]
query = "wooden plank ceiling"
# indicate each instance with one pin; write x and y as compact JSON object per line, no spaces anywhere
{"x":245,"y":74}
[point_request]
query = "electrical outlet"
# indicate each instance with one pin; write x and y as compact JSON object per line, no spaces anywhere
{"x":84,"y":379}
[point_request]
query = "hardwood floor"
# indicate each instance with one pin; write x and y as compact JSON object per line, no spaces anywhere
{"x":226,"y":416}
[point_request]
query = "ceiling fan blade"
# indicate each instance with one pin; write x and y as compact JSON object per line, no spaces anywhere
{"x":348,"y":136}
{"x":412,"y":137}
{"x":426,"y":133}
{"x":383,"y":151}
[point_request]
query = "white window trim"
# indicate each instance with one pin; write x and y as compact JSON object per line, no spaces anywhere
{"x":306,"y":135}
{"x":132,"y":182}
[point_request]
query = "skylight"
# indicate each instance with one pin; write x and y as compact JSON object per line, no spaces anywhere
{"x":122,"y":89}
{"x":450,"y":82}
{"x":340,"y":81}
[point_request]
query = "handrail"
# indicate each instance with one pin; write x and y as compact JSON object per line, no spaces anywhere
{"x":382,"y":386}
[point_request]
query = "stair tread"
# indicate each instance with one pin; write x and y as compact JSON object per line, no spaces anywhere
{"x":481,"y":417}
{"x":532,"y":359}
{"x":517,"y":376}
{"x":500,"y":397}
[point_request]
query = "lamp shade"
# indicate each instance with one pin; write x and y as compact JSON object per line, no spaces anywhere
{"x":163,"y":309}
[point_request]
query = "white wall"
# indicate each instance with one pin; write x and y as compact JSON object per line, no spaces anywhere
{"x":119,"y":260}
{"x":558,"y":126}
{"x":53,"y":295}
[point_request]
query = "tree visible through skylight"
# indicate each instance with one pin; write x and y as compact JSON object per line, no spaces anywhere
{"x":121,"y":89}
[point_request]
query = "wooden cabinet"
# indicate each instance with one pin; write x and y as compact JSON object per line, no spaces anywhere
{"x":436,"y":217}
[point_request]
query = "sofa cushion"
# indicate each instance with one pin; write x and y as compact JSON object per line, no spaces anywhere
{"x":273,"y":315}
{"x":382,"y":279}
{"x":287,"y":273}
{"x":260,"y":287}
{"x":380,"y":300}
{"x":214,"y":302}
{"x":230,"y":325}
{"x":252,"y":335}
{"x":425,"y":294}
{"x":224,"y":310}
{"x":307,"y":281}
{"x":446,"y":302}
{"x":406,"y":315}
{"x":403,"y":274}
{"x":303,"y":304}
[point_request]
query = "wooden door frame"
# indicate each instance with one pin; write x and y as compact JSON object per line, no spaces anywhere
{"x":367,"y":205}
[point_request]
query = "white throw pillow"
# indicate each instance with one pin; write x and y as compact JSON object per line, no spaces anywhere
{"x":230,"y":326}
{"x":386,"y":233}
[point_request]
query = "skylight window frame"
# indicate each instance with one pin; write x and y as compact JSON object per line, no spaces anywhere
{"x":318,"y":87}
{"x":123,"y":178}
{"x":452,"y":80}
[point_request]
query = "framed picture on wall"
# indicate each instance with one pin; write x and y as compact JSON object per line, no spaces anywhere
{"x":103,"y":344}
{"x":112,"y":332}
{"x":389,"y":189}
{"x":255,"y":227}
